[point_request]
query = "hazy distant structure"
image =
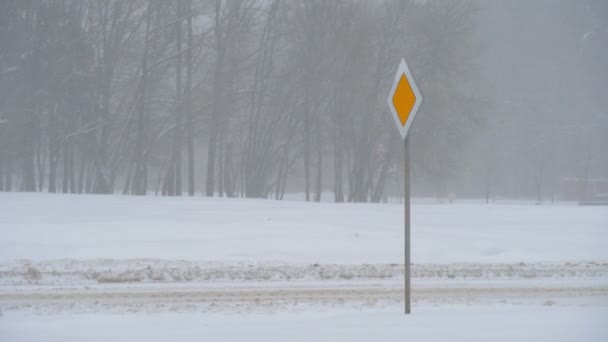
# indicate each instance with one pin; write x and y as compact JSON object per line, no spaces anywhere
{"x":256,"y":98}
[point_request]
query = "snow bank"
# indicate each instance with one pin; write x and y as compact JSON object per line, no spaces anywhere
{"x":84,"y":272}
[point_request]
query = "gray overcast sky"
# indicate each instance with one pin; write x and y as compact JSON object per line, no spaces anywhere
{"x":527,"y":45}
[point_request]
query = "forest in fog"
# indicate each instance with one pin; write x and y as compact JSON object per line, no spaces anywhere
{"x":259,"y":98}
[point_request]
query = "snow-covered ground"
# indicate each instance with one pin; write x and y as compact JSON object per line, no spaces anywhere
{"x":47,"y":227}
{"x":444,"y":323}
{"x":98,"y":268}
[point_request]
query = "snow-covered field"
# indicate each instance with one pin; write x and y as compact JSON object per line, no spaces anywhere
{"x":96,"y":268}
{"x":47,"y":227}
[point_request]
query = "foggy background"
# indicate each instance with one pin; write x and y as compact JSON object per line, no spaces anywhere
{"x":259,"y":98}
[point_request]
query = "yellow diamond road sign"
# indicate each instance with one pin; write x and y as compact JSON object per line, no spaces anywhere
{"x":404,"y":99}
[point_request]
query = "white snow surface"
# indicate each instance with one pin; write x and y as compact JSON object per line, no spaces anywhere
{"x":49,"y":227}
{"x":79,"y":268}
{"x":447,"y":323}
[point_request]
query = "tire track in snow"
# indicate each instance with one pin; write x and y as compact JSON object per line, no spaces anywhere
{"x":252,"y":298}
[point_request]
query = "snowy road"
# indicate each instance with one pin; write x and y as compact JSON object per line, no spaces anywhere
{"x":73,"y":286}
{"x":566,"y":309}
{"x":245,"y":299}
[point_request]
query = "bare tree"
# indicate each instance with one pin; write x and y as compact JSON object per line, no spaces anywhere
{"x":140,"y":176}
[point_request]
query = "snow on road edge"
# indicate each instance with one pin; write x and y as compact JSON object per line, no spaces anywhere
{"x":100,"y":271}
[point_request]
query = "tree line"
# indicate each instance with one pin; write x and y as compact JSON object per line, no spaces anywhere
{"x":235,"y":98}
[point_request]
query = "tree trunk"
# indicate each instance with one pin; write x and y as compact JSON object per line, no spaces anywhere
{"x":41,"y":164}
{"x":71,"y":168}
{"x":139,"y":179}
{"x":80,"y":184}
{"x":220,"y":163}
{"x":337,"y":142}
{"x":217,"y":101}
{"x":29,"y":178}
{"x":66,"y":169}
{"x":178,"y":111}
{"x":319,"y":184}
{"x":188,"y":102}
{"x":307,"y":152}
{"x":378,"y":191}
{"x":282,"y":171}
{"x":228,"y":183}
{"x":53,"y":148}
{"x":173,"y":181}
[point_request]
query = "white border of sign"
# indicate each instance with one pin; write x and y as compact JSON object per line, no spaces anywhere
{"x":403,"y":69}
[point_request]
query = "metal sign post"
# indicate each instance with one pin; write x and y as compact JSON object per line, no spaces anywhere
{"x":406,"y":222}
{"x":404,"y":100}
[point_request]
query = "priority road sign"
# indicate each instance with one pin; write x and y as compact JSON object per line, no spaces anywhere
{"x":404,"y":100}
